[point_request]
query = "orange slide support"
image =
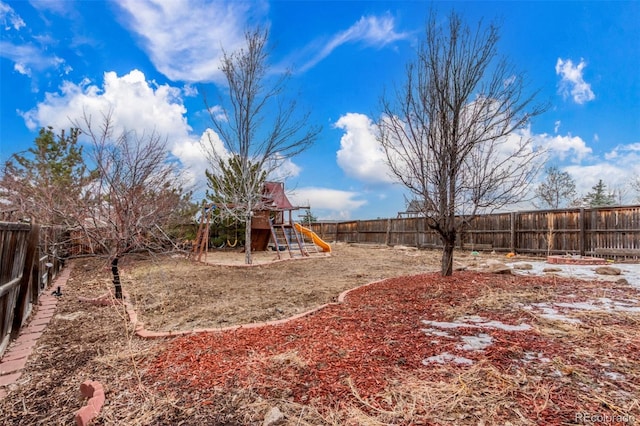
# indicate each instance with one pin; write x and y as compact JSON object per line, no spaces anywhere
{"x":314,"y":237}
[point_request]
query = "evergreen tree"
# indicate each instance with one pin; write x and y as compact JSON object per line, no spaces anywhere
{"x":308,"y":217}
{"x":599,"y":196}
{"x":47,"y":182}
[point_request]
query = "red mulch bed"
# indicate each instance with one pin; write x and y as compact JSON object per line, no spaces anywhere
{"x":372,"y":339}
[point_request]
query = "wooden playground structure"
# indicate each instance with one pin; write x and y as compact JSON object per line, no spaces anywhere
{"x":272,"y":225}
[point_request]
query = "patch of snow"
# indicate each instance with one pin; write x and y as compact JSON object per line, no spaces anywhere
{"x":601,"y":304}
{"x":477,"y":322}
{"x":506,"y":327}
{"x":630,"y":271}
{"x":614,"y":376}
{"x":434,"y":332}
{"x":476,"y":343}
{"x":535,"y":356}
{"x":447,"y":357}
{"x":552,"y":314}
{"x":447,"y":324}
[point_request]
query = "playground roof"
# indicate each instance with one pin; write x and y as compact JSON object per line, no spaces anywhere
{"x":274,"y":193}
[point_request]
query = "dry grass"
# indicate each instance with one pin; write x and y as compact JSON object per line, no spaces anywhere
{"x":543,"y":376}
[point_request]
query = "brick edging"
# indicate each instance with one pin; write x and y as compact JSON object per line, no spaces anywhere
{"x":94,"y":391}
{"x":19,"y":350}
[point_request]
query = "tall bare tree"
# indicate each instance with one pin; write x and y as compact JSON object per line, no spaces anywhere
{"x":557,"y":190}
{"x":137,"y":193}
{"x":635,"y":185}
{"x":259,"y":129}
{"x":451,"y":132}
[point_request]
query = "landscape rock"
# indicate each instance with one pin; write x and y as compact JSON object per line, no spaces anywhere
{"x":622,"y":281}
{"x":550,"y":270}
{"x":274,"y":417}
{"x":499,"y":268}
{"x":523,"y":266}
{"x":608,"y":270}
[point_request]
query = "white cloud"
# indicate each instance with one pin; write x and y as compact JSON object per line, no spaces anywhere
{"x":9,"y":18}
{"x":184,"y":39}
{"x":624,"y":152}
{"x":587,"y":176}
{"x":568,"y":147}
{"x":63,"y":8}
{"x":282,"y":169}
{"x":375,"y":31}
{"x":572,"y":81}
{"x":135,"y":104}
{"x":360,"y":155}
{"x":327,"y":203}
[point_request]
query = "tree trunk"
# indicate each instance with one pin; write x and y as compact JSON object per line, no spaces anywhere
{"x":116,"y":278}
{"x":447,"y":257}
{"x":247,"y":241}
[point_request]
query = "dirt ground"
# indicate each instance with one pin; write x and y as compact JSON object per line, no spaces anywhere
{"x":176,"y":294}
{"x":367,"y":359}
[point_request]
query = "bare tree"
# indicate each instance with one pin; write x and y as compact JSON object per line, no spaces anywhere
{"x":258,"y":129}
{"x":136,"y":195}
{"x":451,"y":133}
{"x":558,"y":189}
{"x":635,"y":185}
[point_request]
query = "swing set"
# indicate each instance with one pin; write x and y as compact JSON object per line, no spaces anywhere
{"x":270,"y":224}
{"x":203,"y":236}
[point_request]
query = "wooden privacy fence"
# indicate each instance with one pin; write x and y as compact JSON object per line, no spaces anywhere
{"x":612,"y":232}
{"x":28,"y":264}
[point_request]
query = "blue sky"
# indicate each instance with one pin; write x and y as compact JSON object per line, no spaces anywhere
{"x":149,"y":61}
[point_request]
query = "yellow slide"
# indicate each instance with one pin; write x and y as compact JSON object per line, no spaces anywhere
{"x":314,"y":237}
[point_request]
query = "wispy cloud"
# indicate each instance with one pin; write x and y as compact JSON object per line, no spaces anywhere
{"x":185,"y":39}
{"x":27,"y":58}
{"x":376,"y":31}
{"x":28,"y":52}
{"x":572,"y":81}
{"x":9,"y":18}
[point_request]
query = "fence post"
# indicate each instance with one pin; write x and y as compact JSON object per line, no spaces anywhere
{"x":387,"y":237}
{"x":582,"y":235}
{"x":514,"y":239}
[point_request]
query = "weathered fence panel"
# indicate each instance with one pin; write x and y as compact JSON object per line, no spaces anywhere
{"x":29,"y":260}
{"x":613,"y":232}
{"x":13,"y":251}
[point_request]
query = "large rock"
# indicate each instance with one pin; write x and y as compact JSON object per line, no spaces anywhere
{"x":274,"y":417}
{"x":608,"y":270}
{"x":523,"y":266}
{"x":499,"y":268}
